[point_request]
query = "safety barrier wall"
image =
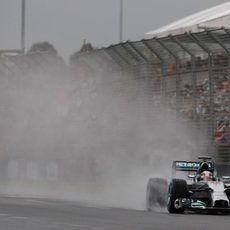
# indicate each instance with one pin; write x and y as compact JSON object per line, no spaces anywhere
{"x":189,"y":73}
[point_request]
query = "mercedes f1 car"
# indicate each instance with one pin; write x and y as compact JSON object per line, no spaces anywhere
{"x":203,"y":191}
{"x":200,"y":190}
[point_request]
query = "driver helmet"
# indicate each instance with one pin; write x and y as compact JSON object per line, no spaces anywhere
{"x":206,"y":176}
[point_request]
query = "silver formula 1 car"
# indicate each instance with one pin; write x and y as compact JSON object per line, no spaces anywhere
{"x":202,"y":191}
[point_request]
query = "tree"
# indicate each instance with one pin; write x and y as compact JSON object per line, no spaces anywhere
{"x":86,"y":48}
{"x":43,"y":47}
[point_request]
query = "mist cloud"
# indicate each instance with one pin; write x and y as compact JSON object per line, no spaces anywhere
{"x":88,"y":135}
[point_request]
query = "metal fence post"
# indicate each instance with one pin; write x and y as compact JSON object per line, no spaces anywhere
{"x":203,"y":46}
{"x":177,"y":71}
{"x":152,"y":50}
{"x":193,"y":70}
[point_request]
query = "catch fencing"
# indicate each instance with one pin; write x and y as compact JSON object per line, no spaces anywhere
{"x":188,"y":73}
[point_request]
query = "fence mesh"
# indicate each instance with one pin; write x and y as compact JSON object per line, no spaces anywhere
{"x":190,"y":72}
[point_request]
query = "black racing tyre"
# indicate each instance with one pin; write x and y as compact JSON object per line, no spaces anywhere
{"x":156,"y":193}
{"x":177,"y":189}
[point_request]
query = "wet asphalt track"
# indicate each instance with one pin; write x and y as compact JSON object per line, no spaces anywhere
{"x":34,"y":214}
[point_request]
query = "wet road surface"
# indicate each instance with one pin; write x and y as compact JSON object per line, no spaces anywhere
{"x":34,"y":214}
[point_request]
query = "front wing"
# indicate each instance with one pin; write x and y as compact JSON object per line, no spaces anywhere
{"x":197,"y":205}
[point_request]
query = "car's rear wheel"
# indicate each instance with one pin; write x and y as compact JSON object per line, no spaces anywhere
{"x":177,"y":189}
{"x":156,"y":193}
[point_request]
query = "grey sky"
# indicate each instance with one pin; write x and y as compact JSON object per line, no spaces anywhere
{"x":65,"y":23}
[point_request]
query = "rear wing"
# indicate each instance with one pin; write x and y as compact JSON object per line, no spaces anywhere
{"x":189,"y":166}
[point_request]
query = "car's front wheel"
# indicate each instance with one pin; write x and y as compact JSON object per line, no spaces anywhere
{"x":177,"y":189}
